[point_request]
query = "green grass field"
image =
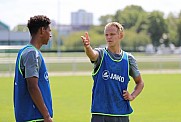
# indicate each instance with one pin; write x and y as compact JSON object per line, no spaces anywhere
{"x":159,"y":101}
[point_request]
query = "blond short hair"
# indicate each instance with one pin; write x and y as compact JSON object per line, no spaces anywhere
{"x":116,"y":24}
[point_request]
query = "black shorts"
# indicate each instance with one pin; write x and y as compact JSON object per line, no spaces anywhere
{"x":104,"y":118}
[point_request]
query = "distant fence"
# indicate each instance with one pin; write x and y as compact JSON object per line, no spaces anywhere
{"x":79,"y":64}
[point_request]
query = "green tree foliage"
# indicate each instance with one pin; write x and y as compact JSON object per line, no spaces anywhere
{"x":97,"y":36}
{"x":54,"y":37}
{"x":129,"y":16}
{"x":156,"y":27}
{"x":73,"y":41}
{"x":142,"y":23}
{"x":172,"y":29}
{"x":105,"y":19}
{"x":98,"y":29}
{"x":21,"y":28}
{"x":141,"y":28}
{"x":135,"y":41}
{"x":179,"y":30}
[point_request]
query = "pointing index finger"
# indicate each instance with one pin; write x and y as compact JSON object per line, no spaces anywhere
{"x":87,"y":35}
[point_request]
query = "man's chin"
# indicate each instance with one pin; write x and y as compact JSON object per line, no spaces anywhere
{"x":46,"y":43}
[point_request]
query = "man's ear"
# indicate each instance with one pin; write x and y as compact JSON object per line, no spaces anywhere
{"x":42,"y":30}
{"x":121,"y":35}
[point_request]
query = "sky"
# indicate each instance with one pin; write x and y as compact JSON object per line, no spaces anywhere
{"x":14,"y":12}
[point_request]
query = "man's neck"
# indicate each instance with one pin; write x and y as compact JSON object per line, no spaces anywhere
{"x":36,"y":43}
{"x":116,"y":50}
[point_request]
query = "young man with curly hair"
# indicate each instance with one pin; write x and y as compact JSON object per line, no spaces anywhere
{"x":32,"y":94}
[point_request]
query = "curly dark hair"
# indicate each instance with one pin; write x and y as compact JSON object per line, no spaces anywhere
{"x":37,"y":22}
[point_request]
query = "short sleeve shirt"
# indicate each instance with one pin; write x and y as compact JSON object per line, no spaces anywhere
{"x":30,"y":63}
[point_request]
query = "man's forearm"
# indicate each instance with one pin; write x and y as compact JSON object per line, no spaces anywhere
{"x":35,"y":93}
{"x":137,"y":90}
{"x":38,"y":100}
{"x":92,"y":54}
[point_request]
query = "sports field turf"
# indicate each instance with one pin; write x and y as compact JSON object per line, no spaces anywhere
{"x":159,"y":101}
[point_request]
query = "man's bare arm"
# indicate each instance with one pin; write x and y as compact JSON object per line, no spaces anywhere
{"x":91,"y":53}
{"x":35,"y":93}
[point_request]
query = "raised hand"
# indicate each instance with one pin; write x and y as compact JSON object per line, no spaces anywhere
{"x":86,"y":40}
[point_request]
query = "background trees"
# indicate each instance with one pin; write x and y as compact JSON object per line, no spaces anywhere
{"x":156,"y":27}
{"x":141,"y":28}
{"x":179,"y":30}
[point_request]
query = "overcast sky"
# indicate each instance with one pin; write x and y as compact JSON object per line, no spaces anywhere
{"x":14,"y":12}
